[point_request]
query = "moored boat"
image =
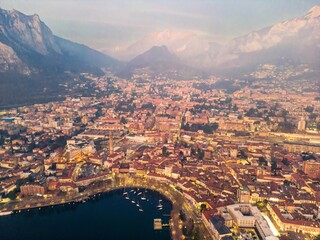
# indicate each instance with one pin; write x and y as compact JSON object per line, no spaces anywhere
{"x":6,"y":213}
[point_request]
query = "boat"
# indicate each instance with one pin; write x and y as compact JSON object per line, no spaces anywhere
{"x":139,"y":193}
{"x":6,"y":213}
{"x":160,"y":208}
{"x":131,"y":190}
{"x":125,"y":193}
{"x":140,"y":210}
{"x":159,"y":205}
{"x":133,"y":201}
{"x":137,"y":204}
{"x":144,"y":196}
{"x":127,"y":198}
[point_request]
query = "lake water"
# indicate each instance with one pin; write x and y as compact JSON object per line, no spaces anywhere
{"x":109,"y":216}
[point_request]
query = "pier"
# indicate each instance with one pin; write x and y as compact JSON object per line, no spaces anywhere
{"x":157,"y":224}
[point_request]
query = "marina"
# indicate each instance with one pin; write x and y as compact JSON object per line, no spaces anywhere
{"x":89,"y":219}
{"x":135,"y":196}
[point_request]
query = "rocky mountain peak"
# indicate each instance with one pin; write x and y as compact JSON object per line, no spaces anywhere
{"x":26,"y":31}
{"x":314,"y":12}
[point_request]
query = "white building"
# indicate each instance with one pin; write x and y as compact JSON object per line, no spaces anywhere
{"x":245,"y":215}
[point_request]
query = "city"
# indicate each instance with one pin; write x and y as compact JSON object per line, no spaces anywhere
{"x":184,"y":124}
{"x":213,"y":148}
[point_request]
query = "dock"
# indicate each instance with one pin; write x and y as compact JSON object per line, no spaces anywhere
{"x":157,"y":224}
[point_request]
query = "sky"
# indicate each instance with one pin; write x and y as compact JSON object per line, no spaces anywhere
{"x":105,"y":24}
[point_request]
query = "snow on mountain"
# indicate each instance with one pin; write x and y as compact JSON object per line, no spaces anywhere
{"x":314,"y":12}
{"x":276,"y":34}
{"x":288,"y":38}
{"x":181,"y":43}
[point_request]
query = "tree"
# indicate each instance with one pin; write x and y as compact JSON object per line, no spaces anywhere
{"x":286,"y":162}
{"x":200,"y":154}
{"x":203,"y":207}
{"x":235,"y":108}
{"x":164,"y":151}
{"x":274,"y":165}
{"x":123,"y":120}
{"x":262,"y":161}
{"x":181,"y":155}
{"x":309,"y":109}
{"x":193,"y":152}
{"x":13,"y":194}
{"x":196,"y":235}
{"x":286,"y":127}
{"x":53,"y":166}
{"x":286,"y":182}
{"x":313,"y":116}
{"x":284,"y":113}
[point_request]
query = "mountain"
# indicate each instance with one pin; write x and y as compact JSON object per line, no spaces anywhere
{"x":29,"y":46}
{"x":295,"y":41}
{"x":158,"y":60}
{"x":183,"y":44}
{"x":282,"y":32}
{"x":32,"y":58}
{"x":9,"y":61}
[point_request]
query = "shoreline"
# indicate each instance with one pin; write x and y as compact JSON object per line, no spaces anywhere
{"x":77,"y":199}
{"x":86,"y":198}
{"x":165,"y":188}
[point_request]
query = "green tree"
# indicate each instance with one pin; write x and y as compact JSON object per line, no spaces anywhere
{"x":165,"y":151}
{"x":203,"y":207}
{"x":309,"y":109}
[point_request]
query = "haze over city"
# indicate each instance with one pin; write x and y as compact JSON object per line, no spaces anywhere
{"x":163,"y":120}
{"x":109,"y":24}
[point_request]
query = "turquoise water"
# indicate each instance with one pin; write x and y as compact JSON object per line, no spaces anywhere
{"x":108,"y":216}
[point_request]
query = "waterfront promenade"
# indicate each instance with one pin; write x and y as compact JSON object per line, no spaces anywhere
{"x":120,"y":182}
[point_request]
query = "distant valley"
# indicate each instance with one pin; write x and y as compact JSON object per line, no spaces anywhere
{"x":34,"y":62}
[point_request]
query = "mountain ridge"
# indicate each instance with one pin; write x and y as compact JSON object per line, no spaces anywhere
{"x":34,"y":63}
{"x":158,"y":60}
{"x":31,"y":39}
{"x":299,"y":33}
